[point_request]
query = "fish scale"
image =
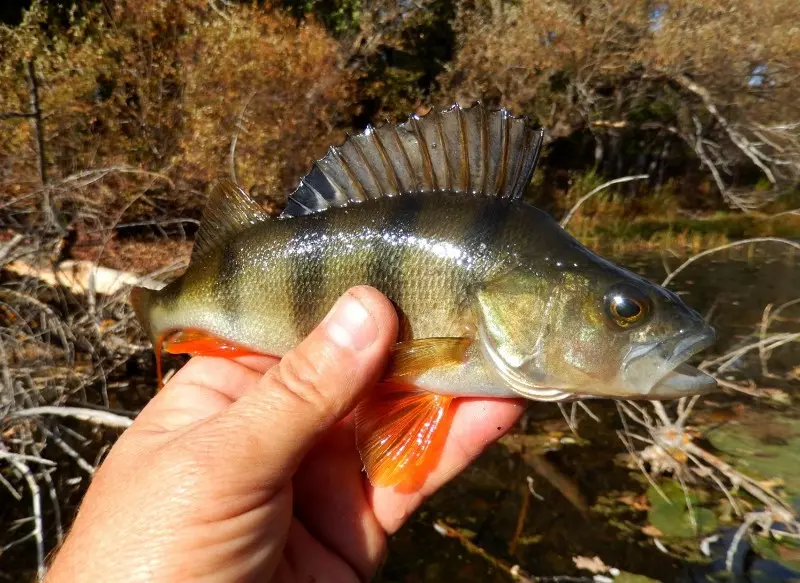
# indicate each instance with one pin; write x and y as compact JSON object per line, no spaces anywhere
{"x":494,"y":297}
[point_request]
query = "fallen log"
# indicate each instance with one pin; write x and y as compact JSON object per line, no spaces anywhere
{"x":83,"y":277}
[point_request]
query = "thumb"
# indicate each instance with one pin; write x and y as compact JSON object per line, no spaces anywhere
{"x":314,"y":386}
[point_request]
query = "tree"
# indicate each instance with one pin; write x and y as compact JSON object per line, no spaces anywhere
{"x":718,"y":76}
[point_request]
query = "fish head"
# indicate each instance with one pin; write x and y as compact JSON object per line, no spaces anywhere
{"x":655,"y":352}
{"x":594,"y":329}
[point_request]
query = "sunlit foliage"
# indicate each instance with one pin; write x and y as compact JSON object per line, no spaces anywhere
{"x":166,"y":86}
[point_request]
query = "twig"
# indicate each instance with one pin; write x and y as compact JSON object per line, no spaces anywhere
{"x":588,"y":411}
{"x":737,"y":538}
{"x":694,"y":258}
{"x":36,"y":503}
{"x":564,"y":484}
{"x":8,"y":247}
{"x":38,"y":125}
{"x":586,"y":197}
{"x":746,"y":147}
{"x":104,"y":418}
{"x":521,"y":516}
{"x":532,"y":490}
{"x":21,"y":457}
{"x":51,"y":488}
{"x":14,"y":115}
{"x":235,"y":138}
{"x":770,"y":343}
{"x":762,"y":494}
{"x":767,"y":317}
{"x":699,"y":149}
{"x":70,"y":451}
{"x":570,"y":417}
{"x":638,"y":460}
{"x":11,"y":489}
{"x":82,"y":277}
{"x":513,"y":571}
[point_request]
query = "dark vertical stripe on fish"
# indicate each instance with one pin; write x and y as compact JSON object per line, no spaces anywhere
{"x":226,"y":283}
{"x":488,"y":228}
{"x":307,"y":271}
{"x":385,"y":271}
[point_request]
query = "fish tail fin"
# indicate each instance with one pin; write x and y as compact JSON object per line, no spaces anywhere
{"x":157,"y":349}
{"x":141,"y":299}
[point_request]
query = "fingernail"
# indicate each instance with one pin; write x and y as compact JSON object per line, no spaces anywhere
{"x":350,"y":325}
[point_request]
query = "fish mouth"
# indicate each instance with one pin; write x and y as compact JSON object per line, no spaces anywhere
{"x":661,"y":371}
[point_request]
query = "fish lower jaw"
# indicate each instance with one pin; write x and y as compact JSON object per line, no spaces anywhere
{"x":657,"y":373}
{"x":681,"y":378}
{"x":682,"y":381}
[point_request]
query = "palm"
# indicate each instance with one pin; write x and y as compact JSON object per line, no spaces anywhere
{"x":341,"y":521}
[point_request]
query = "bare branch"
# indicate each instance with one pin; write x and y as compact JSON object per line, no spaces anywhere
{"x":603,"y":186}
{"x":36,"y":503}
{"x":694,"y":258}
{"x":235,"y":138}
{"x":747,"y":147}
{"x":81,"y":277}
{"x":95,"y":416}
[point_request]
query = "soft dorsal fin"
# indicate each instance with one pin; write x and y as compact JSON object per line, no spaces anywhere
{"x":229,"y":211}
{"x":472,"y":150}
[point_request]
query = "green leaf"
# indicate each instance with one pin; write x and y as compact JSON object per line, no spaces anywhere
{"x":765,"y":447}
{"x":786,"y":552}
{"x":673,"y":516}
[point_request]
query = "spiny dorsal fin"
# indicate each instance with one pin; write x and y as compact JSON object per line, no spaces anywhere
{"x":229,"y":211}
{"x":473,"y":150}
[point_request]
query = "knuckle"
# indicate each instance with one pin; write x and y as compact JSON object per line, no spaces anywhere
{"x":300,"y":379}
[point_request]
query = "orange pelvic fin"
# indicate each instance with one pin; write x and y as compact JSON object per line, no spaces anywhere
{"x":415,"y":357}
{"x":400,"y":433}
{"x":196,"y":343}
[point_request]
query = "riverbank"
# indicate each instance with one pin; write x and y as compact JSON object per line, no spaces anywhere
{"x":680,"y":234}
{"x":617,"y":221}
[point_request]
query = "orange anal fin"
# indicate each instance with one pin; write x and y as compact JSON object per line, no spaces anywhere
{"x":196,"y":343}
{"x":400,"y":433}
{"x":415,"y":357}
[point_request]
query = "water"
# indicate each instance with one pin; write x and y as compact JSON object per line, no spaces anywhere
{"x":732,"y":288}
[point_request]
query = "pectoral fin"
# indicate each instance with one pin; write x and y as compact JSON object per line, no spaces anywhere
{"x":415,"y":357}
{"x":400,"y":432}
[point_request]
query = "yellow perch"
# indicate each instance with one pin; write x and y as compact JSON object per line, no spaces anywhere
{"x":495,"y":298}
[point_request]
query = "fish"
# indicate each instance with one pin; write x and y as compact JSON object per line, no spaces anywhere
{"x":494,"y":297}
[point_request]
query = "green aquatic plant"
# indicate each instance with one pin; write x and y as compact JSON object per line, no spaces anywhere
{"x":765,"y":446}
{"x":679,"y":514}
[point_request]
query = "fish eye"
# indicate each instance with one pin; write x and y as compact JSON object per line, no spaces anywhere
{"x":626,"y":305}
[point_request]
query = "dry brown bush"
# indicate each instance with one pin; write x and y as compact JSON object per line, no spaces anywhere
{"x":721,"y":76}
{"x":164,"y":87}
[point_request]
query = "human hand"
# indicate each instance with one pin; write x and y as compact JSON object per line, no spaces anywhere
{"x":247,"y":470}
